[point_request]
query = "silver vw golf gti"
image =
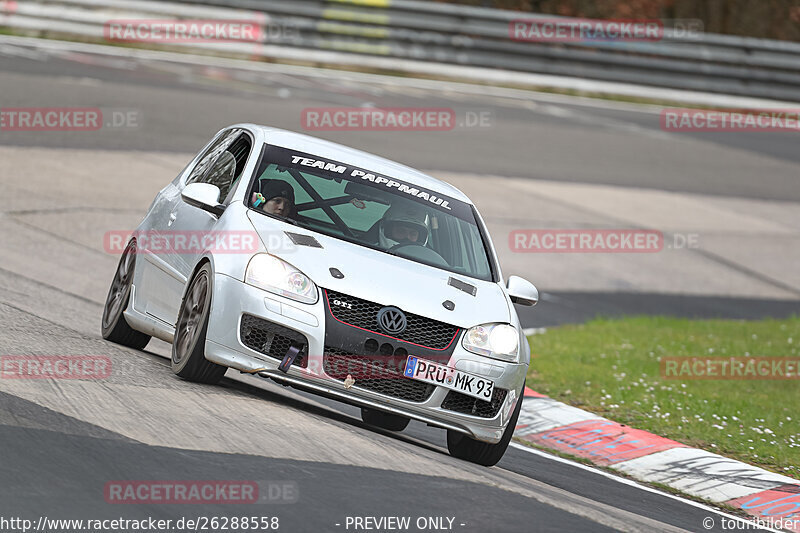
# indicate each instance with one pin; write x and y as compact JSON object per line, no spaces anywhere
{"x":333,"y":271}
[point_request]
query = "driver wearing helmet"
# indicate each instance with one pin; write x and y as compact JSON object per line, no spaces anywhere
{"x":403,"y":223}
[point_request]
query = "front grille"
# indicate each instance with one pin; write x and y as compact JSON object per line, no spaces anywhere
{"x":272,"y":339}
{"x":364,"y":314}
{"x":380,"y":374}
{"x":461,"y":403}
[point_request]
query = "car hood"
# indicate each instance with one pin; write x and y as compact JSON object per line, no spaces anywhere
{"x":383,"y":278}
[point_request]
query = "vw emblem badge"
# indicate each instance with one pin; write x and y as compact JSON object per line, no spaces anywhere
{"x":392,"y":320}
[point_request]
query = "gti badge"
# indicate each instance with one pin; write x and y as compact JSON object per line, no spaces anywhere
{"x":392,"y":320}
{"x":342,"y":304}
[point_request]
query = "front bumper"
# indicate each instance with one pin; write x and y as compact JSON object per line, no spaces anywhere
{"x":232,"y":300}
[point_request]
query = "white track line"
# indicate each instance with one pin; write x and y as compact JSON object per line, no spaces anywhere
{"x":749,"y":524}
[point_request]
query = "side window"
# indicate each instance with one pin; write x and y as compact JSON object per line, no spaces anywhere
{"x":467,"y":243}
{"x":221,"y":173}
{"x":223,"y":162}
{"x":240,"y":150}
{"x":210,"y":155}
{"x":460,"y":261}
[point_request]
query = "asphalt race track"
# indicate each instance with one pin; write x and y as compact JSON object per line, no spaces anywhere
{"x":61,"y":442}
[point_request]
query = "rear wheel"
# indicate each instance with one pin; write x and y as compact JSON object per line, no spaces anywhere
{"x":483,"y":453}
{"x":383,"y":420}
{"x":189,"y":344}
{"x":114,"y":326}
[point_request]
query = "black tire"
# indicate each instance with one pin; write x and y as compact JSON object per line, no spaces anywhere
{"x":114,"y":327}
{"x":483,"y":453}
{"x":189,"y":344}
{"x":383,"y":420}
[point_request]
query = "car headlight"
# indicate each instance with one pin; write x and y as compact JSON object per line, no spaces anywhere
{"x":499,"y":341}
{"x":274,"y":275}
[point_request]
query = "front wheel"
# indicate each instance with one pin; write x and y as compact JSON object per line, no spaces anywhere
{"x":189,"y":344}
{"x":114,"y":327}
{"x":483,"y":453}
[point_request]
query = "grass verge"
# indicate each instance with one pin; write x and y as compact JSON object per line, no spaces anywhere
{"x":613,"y":368}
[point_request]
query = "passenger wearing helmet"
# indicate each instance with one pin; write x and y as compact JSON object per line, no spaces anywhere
{"x":403,"y":223}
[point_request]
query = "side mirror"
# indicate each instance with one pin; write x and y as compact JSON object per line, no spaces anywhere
{"x":522,"y":291}
{"x":204,"y":196}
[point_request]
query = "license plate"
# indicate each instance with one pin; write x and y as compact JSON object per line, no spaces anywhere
{"x":449,"y":378}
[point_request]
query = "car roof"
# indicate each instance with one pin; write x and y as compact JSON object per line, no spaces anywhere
{"x":338,"y":152}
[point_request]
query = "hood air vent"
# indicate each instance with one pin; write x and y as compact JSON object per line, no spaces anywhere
{"x":303,"y":240}
{"x":472,"y":290}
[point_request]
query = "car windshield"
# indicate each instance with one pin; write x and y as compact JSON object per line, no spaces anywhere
{"x":371,"y":210}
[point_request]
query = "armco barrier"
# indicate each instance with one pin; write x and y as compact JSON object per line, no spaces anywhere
{"x":453,"y":34}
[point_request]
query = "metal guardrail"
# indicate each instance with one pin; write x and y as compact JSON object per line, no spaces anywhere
{"x":452,"y":34}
